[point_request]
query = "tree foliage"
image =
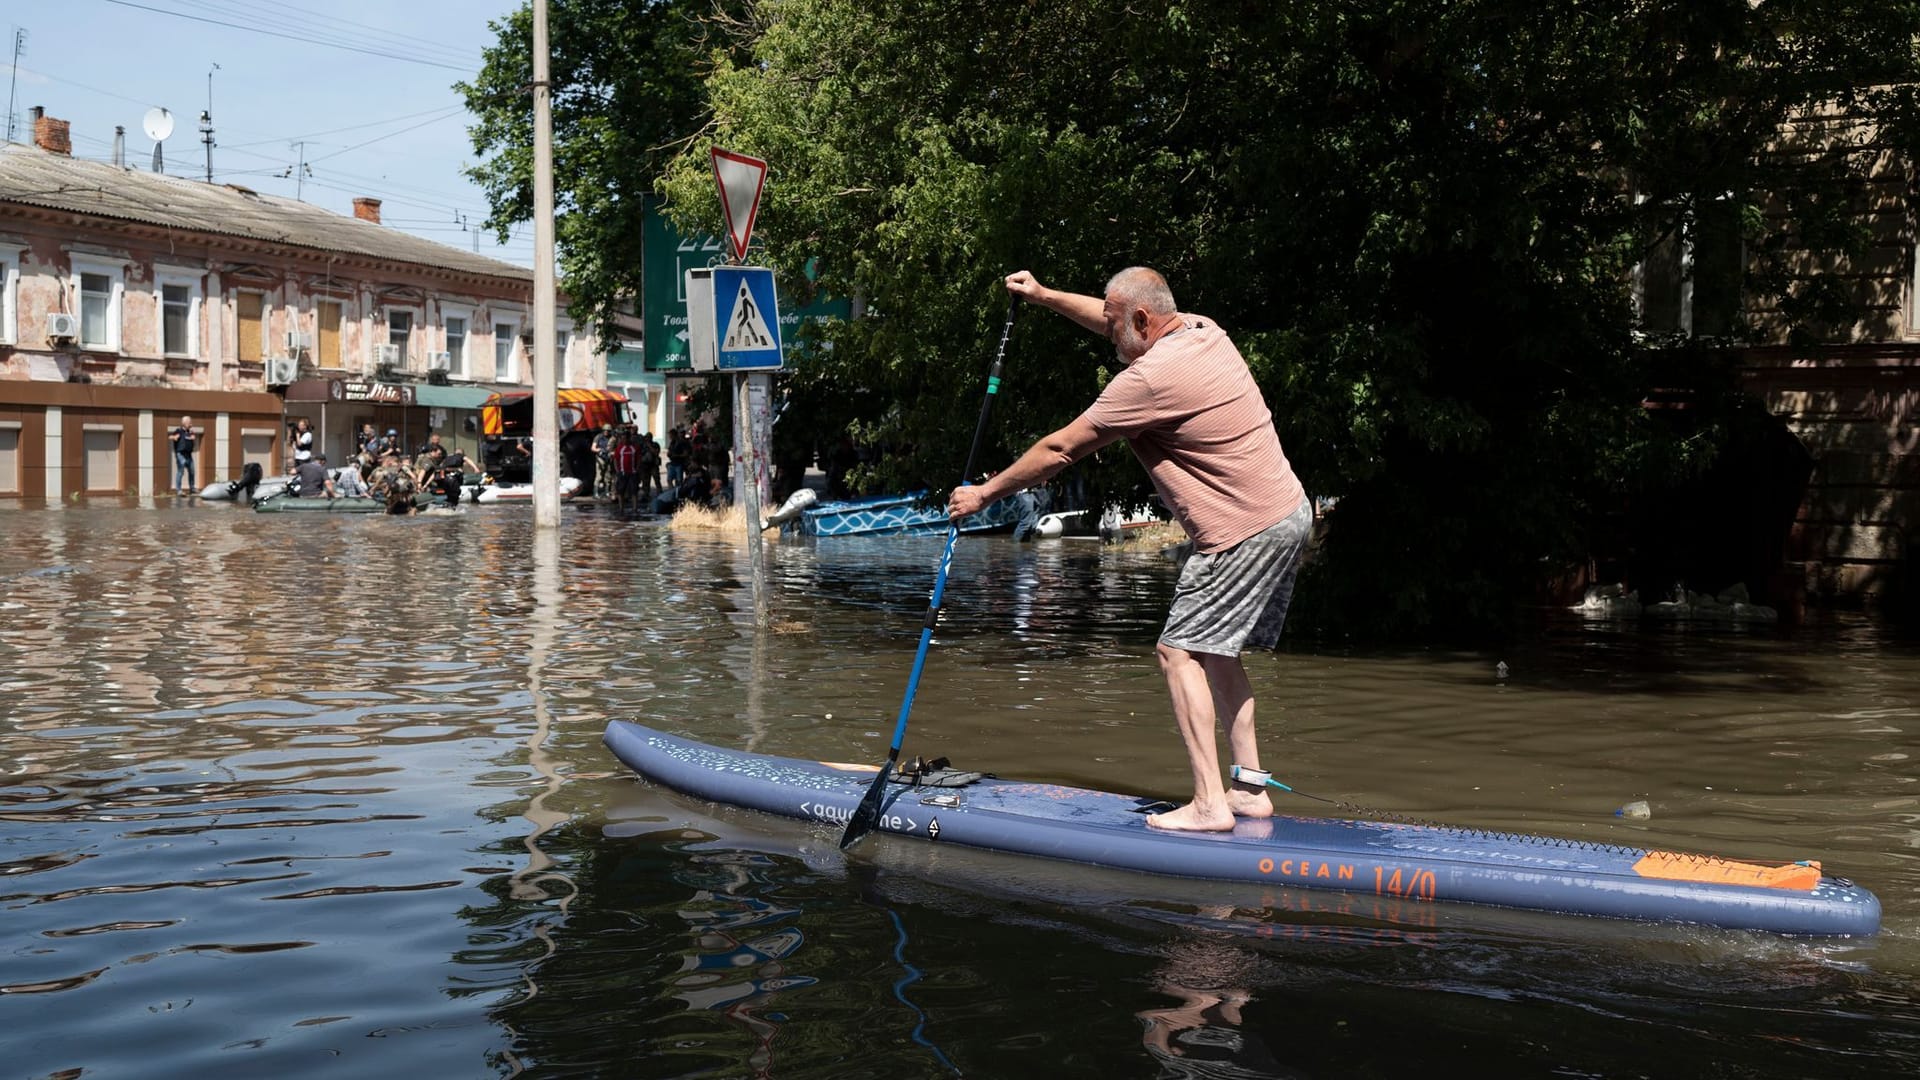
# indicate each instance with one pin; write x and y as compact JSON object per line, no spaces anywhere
{"x":1420,"y":220}
{"x":628,"y":93}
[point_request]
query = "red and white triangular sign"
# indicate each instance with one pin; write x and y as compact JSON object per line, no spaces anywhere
{"x":740,"y":178}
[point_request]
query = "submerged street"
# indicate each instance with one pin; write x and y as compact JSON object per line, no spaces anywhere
{"x":286,"y":793}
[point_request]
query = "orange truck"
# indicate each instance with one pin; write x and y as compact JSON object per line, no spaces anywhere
{"x":506,"y":428}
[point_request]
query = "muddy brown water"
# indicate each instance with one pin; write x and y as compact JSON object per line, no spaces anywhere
{"x":292,"y":794}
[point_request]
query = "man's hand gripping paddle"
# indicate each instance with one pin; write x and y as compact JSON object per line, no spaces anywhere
{"x":868,"y":812}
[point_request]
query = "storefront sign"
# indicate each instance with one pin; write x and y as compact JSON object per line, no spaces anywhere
{"x":376,"y":393}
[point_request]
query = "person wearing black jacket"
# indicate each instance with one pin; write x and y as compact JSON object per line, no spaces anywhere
{"x":184,"y":444}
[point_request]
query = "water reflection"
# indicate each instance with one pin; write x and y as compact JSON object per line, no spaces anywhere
{"x":279,"y":796}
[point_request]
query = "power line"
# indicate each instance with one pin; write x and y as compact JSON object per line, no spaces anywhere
{"x":467,"y":68}
{"x":411,"y":127}
{"x":311,"y":24}
{"x":336,"y":131}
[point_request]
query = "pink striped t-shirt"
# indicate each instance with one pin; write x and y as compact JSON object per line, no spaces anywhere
{"x":1195,"y":418}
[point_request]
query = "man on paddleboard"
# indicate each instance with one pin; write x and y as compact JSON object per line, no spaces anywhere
{"x":1193,"y":415}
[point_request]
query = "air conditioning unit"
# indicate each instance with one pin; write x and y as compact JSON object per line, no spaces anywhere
{"x":387,"y":355}
{"x":282,"y":370}
{"x":440,"y":361}
{"x":296,"y":341}
{"x":62,"y":325}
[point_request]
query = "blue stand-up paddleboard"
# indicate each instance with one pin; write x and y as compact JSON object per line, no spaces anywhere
{"x":1389,"y":859}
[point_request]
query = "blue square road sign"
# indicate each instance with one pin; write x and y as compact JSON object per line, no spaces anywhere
{"x":746,"y":319}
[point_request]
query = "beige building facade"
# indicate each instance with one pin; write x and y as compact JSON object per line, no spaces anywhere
{"x":129,"y":299}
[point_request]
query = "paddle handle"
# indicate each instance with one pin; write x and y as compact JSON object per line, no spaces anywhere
{"x":867,"y":813}
{"x":953,"y":534}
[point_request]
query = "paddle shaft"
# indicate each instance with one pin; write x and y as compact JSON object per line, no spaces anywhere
{"x":868,"y":811}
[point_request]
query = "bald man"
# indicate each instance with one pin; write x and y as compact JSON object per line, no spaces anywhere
{"x":1190,"y":410}
{"x":185,"y":441}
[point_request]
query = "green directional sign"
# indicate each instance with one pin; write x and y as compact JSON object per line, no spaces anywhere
{"x":666,"y":256}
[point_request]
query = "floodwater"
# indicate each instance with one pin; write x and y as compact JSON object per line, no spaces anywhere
{"x":290,"y":795}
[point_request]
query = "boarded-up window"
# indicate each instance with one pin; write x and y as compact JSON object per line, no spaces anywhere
{"x":327,"y":316}
{"x":247,"y":308}
{"x":10,"y":460}
{"x":256,"y":448}
{"x":102,"y":461}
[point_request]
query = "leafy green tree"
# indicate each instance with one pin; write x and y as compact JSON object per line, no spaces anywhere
{"x":627,"y":93}
{"x":1420,"y":219}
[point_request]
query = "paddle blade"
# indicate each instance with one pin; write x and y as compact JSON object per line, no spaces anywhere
{"x":867,"y":814}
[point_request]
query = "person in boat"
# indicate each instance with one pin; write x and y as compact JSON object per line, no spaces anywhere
{"x":393,"y":484}
{"x":431,"y":452}
{"x":1188,"y":406}
{"x":310,"y":479}
{"x":427,"y":462}
{"x":349,"y":482}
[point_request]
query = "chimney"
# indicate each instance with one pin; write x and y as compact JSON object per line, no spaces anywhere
{"x":50,"y":134}
{"x":367,"y":209}
{"x":119,"y":146}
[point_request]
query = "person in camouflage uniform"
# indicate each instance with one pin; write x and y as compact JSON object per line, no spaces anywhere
{"x":394,"y":484}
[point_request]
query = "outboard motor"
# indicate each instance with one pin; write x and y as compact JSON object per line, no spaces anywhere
{"x":249,"y":480}
{"x":790,"y":509}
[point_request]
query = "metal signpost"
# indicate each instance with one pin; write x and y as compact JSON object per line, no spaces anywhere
{"x":733,"y":324}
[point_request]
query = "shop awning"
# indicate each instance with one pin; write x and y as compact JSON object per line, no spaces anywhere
{"x":450,"y":397}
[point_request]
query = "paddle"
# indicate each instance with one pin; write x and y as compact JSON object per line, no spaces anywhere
{"x":868,"y":812}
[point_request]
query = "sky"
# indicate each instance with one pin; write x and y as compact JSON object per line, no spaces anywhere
{"x":360,"y":90}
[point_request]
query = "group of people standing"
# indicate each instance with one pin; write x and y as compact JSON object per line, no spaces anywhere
{"x":626,"y":465}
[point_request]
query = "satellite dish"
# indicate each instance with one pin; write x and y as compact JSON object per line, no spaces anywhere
{"x":158,"y":124}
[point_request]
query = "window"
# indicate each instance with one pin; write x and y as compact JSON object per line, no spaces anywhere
{"x":506,"y":341}
{"x":457,"y":346}
{"x":399,"y":334}
{"x":177,"y":311}
{"x":1690,"y":282}
{"x":326,"y":325}
{"x":562,"y":337}
{"x":248,"y":311}
{"x":99,"y":309}
{"x":100,"y":457}
{"x":9,"y":297}
{"x":9,"y":457}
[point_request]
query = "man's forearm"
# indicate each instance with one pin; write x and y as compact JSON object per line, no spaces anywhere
{"x":1040,"y":463}
{"x":1088,"y":311}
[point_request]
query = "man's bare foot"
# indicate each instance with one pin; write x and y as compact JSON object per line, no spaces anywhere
{"x":1190,"y":818}
{"x":1254,"y":804}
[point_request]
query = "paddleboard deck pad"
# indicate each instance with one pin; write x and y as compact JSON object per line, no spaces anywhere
{"x":1416,"y":862}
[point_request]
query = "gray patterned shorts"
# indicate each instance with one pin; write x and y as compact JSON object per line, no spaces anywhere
{"x":1237,"y":599}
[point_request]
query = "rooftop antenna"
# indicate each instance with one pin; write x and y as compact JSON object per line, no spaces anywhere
{"x":13,"y":82}
{"x":158,"y":124}
{"x":206,"y":122}
{"x":299,"y":173}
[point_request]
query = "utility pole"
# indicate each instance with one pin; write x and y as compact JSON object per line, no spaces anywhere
{"x":19,"y":47}
{"x":206,"y":122}
{"x":546,"y":402}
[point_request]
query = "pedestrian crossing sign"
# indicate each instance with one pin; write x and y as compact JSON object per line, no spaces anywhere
{"x":746,"y":319}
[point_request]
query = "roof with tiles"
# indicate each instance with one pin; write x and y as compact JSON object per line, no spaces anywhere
{"x":33,"y":177}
